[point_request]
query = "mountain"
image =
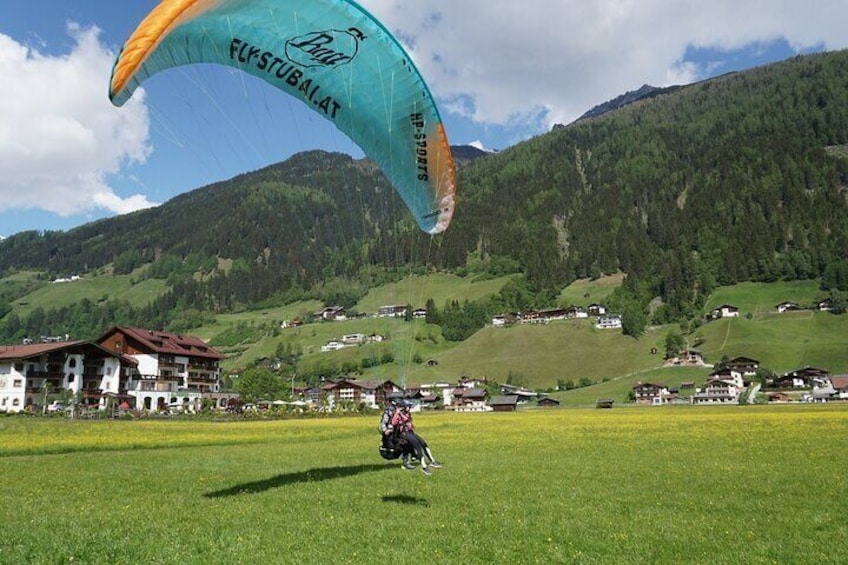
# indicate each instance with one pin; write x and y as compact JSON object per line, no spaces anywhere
{"x":742,"y":177}
{"x":644,"y":92}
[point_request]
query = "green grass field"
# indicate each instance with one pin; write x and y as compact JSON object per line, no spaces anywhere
{"x":720,"y":485}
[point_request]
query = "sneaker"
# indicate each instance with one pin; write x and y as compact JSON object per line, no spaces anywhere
{"x":408,"y":466}
{"x":435,"y":465}
{"x":426,"y":470}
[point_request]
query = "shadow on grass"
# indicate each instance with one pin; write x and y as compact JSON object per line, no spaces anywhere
{"x":312,"y":475}
{"x":406,"y":499}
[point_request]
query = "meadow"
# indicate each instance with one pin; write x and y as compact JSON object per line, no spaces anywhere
{"x":744,"y":484}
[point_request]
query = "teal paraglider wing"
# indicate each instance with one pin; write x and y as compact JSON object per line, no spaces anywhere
{"x":332,"y":55}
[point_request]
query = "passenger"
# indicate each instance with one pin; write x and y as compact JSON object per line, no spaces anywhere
{"x":402,"y":421}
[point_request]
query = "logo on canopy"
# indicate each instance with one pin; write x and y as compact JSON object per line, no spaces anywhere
{"x":331,"y":48}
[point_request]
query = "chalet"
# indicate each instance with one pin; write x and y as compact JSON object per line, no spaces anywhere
{"x":778,"y":397}
{"x":440,"y":391}
{"x":555,"y":314}
{"x":500,"y":321}
{"x":840,"y":386}
{"x":787,"y":307}
{"x":687,"y":357}
{"x":547,"y":402}
{"x":825,"y":305}
{"x":611,"y":321}
{"x":419,"y":313}
{"x":649,"y":393}
{"x":507,"y":403}
{"x":173,"y":371}
{"x":331,"y":314}
{"x":722,"y":387}
{"x":729,"y":375}
{"x":808,"y":377}
{"x":421,"y":398}
{"x":370,"y":393}
{"x":725,"y":311}
{"x":744,"y":365}
{"x":597,"y":309}
{"x":332,"y":345}
{"x":35,"y":374}
{"x":354,"y":339}
{"x":392,"y":311}
{"x":531,"y":317}
{"x":471,"y":400}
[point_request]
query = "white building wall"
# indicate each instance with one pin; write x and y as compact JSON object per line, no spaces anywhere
{"x":12,"y":389}
{"x":147,"y":364}
{"x":73,"y":370}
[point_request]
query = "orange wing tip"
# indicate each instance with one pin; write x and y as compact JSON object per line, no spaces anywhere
{"x":147,"y":37}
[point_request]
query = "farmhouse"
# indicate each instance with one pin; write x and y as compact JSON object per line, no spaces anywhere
{"x":611,"y":321}
{"x":371,"y":393}
{"x":746,"y":366}
{"x":331,"y":314}
{"x":722,"y":387}
{"x":725,"y":311}
{"x":173,"y":371}
{"x":332,"y":345}
{"x":787,"y":307}
{"x":392,"y":311}
{"x":649,"y":393}
{"x":808,"y":377}
{"x":471,"y":400}
{"x":597,"y":309}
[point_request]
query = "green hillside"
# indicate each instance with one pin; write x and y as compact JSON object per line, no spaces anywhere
{"x":781,"y":342}
{"x":93,"y":288}
{"x":441,"y":287}
{"x":763,"y":298}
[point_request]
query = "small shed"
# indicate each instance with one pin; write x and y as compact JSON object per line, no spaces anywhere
{"x":605,"y":403}
{"x":547,"y":402}
{"x":506,"y":403}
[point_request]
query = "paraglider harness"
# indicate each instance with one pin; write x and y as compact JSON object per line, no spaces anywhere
{"x":393,"y":446}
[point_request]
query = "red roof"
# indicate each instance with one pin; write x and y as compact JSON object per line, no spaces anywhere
{"x":29,"y":351}
{"x":168,"y":343}
{"x":32,"y":350}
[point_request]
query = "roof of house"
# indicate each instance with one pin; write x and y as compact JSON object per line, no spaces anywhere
{"x":839,"y":381}
{"x":29,"y":351}
{"x":168,"y":343}
{"x":506,"y":400}
{"x":743,"y":361}
{"x":473,"y":393}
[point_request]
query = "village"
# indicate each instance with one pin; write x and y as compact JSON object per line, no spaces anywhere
{"x":146,"y":371}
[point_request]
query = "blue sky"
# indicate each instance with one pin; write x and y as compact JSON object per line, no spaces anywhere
{"x":501,"y":72}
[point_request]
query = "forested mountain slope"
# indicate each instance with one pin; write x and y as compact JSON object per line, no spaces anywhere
{"x":742,"y":177}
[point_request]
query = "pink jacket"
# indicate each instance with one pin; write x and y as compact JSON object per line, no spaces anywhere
{"x":402,"y":421}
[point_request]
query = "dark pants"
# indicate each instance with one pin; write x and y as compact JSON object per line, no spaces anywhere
{"x":416,"y":443}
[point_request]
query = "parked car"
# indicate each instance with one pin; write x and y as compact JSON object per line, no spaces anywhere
{"x":55,"y":406}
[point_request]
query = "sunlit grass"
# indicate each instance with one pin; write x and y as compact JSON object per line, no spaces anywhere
{"x":665,"y":485}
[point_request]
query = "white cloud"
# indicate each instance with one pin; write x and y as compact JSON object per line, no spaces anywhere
{"x":60,"y":137}
{"x":551,"y":60}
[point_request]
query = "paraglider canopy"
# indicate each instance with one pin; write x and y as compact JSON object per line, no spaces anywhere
{"x":332,"y":55}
